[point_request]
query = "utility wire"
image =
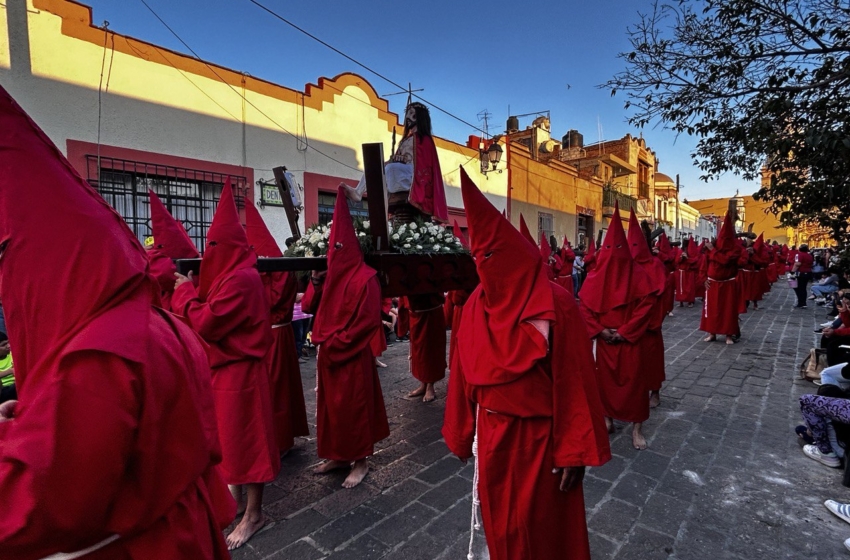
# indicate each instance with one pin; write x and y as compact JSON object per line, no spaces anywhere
{"x":360,"y":64}
{"x":225,"y":82}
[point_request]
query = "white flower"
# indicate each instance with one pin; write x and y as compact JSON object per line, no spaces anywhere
{"x":321,"y":245}
{"x":446,"y":249}
{"x":407,"y":245}
{"x":419,"y":247}
{"x":436,"y":247}
{"x":415,"y":235}
{"x":457,"y":242}
{"x":430,"y":240}
{"x":395,"y":236}
{"x":309,"y":253}
{"x":413,"y":226}
{"x":366,"y":224}
{"x":362,"y":234}
{"x":402,"y":228}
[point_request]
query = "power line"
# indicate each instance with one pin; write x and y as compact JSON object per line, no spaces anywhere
{"x":225,"y":82}
{"x":360,"y":64}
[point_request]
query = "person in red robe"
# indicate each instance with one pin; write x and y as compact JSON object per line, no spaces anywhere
{"x":686,"y":274}
{"x":568,"y":257}
{"x":427,"y":343}
{"x":350,"y":413}
{"x":617,"y":302}
{"x":760,"y":258}
{"x":111,"y":450}
{"x":551,"y":261}
{"x":665,"y":253}
{"x":590,"y":257}
{"x":746,"y":275}
{"x":702,"y":271}
{"x":458,"y":299}
{"x":230,"y":311}
{"x":720,"y":308}
{"x":287,"y":392}
{"x":170,"y":242}
{"x":402,"y":325}
{"x":652,"y":343}
{"x":523,"y":387}
{"x":772,"y":267}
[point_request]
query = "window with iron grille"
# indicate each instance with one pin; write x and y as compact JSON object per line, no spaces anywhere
{"x":190,"y":195}
{"x":545,"y":225}
{"x":327,"y":201}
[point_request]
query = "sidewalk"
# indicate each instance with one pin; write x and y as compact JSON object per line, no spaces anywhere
{"x":723,"y":476}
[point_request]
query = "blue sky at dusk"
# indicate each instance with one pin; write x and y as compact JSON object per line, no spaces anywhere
{"x":468,"y":56}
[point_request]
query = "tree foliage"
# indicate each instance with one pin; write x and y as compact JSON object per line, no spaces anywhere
{"x":762,"y":84}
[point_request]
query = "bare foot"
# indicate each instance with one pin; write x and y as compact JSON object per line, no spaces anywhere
{"x":670,"y":314}
{"x":329,"y":466}
{"x":730,"y":340}
{"x":709,"y":338}
{"x":417,"y":392}
{"x":690,"y":305}
{"x":379,"y":363}
{"x":246,"y":529}
{"x":609,"y":425}
{"x":429,"y":393}
{"x":357,"y":474}
{"x":638,"y":441}
{"x":352,"y":193}
{"x":654,"y":399}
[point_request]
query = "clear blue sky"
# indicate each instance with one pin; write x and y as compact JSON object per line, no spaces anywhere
{"x":469,"y":56}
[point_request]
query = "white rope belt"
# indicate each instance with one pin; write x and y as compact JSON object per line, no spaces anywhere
{"x":80,"y":553}
{"x":277,"y":326}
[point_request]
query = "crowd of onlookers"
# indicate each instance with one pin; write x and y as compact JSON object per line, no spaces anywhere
{"x":825,"y":433}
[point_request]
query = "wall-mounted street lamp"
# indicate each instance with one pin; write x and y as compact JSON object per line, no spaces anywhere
{"x":490,"y":158}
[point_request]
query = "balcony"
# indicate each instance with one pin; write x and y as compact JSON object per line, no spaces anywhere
{"x":612,"y":196}
{"x":643,"y":189}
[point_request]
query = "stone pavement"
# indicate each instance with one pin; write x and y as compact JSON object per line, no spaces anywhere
{"x":724,"y":476}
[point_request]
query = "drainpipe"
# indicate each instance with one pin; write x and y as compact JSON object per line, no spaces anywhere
{"x":508,"y":165}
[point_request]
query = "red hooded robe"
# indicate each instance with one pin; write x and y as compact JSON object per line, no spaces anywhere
{"x":458,"y":299}
{"x":761,"y":259}
{"x":702,"y":270}
{"x":231,"y":312}
{"x":350,"y":413}
{"x":170,"y":242}
{"x":290,"y":413}
{"x":114,"y":432}
{"x":427,"y":193}
{"x":720,"y":308}
{"x":618,"y":295}
{"x":667,"y":256}
{"x":536,"y":399}
{"x":652,"y":343}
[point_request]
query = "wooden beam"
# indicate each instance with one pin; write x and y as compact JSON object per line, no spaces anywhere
{"x":376,"y":193}
{"x":286,"y":195}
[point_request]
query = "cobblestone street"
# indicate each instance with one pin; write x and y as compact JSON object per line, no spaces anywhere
{"x":723,"y":476}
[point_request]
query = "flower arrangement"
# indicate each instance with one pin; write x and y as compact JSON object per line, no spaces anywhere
{"x":415,"y":238}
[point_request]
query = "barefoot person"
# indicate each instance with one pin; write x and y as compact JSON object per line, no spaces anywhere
{"x":110,"y":451}
{"x":523,"y":382}
{"x":720,"y":308}
{"x":350,"y":413}
{"x":231,"y":313}
{"x":617,"y":302}
{"x":652,"y":343}
{"x":427,"y":343}
{"x":287,"y":393}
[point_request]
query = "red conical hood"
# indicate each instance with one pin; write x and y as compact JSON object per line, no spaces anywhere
{"x":227,"y":245}
{"x":590,"y":256}
{"x":726,"y":240}
{"x":347,"y":275}
{"x":523,"y":229}
{"x":545,"y":248}
{"x":612,"y":282}
{"x":259,"y":236}
{"x":652,"y":268}
{"x":457,"y":232}
{"x":170,"y":242}
{"x":499,"y":342}
{"x":68,"y":259}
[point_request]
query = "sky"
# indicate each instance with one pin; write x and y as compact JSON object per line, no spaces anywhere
{"x":498,"y":56}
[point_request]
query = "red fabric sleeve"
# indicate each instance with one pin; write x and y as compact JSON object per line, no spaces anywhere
{"x":594,"y":327}
{"x":214,"y":319}
{"x":579,"y":433}
{"x":459,"y":420}
{"x":310,"y":301}
{"x":64,"y":457}
{"x":347,"y":343}
{"x":639,"y":319}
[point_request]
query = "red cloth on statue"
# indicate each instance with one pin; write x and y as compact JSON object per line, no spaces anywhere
{"x":427,"y":338}
{"x":350,"y":412}
{"x":170,"y":242}
{"x":114,"y":431}
{"x":427,"y":193}
{"x":720,"y":309}
{"x":538,"y":409}
{"x":287,"y":392}
{"x":231,"y":313}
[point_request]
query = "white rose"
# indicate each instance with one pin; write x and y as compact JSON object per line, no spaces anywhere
{"x":321,"y":245}
{"x":395,"y":236}
{"x":309,"y":253}
{"x":419,"y":247}
{"x":366,"y":224}
{"x":415,"y":235}
{"x":413,"y":226}
{"x":436,"y":247}
{"x":407,"y":245}
{"x":402,"y":228}
{"x":361,"y":234}
{"x":430,"y":240}
{"x":446,"y":249}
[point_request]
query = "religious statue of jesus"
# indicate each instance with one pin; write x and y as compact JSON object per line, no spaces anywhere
{"x":413,"y":176}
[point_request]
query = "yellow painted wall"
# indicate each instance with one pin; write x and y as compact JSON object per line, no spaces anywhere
{"x":755,"y":213}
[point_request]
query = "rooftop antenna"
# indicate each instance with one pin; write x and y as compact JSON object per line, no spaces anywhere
{"x":485,"y":116}
{"x":599,"y":131}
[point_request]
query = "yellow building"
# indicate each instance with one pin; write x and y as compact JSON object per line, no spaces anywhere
{"x":751,"y":212}
{"x":181,"y":126}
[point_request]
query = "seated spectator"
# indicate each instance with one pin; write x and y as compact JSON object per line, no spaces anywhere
{"x":827,"y":285}
{"x":831,"y":405}
{"x":834,"y":338}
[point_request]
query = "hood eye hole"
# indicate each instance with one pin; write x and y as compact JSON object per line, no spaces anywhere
{"x":337,"y":245}
{"x":213,"y":243}
{"x":488,"y":255}
{"x":3,"y":247}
